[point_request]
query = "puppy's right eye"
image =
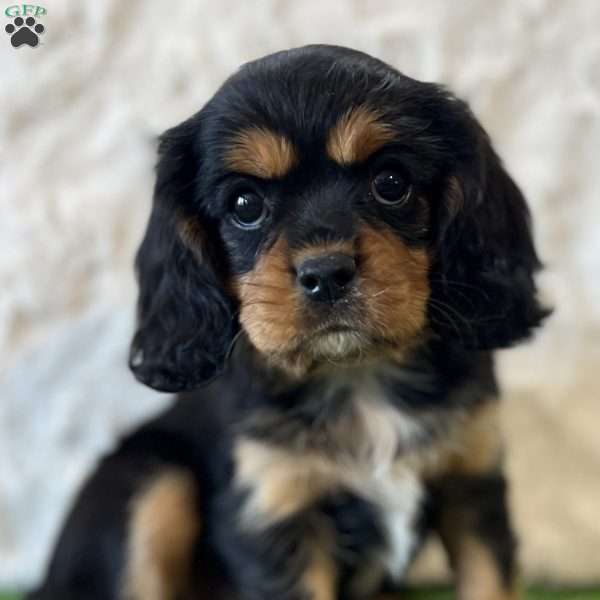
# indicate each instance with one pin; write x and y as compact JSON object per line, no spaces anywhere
{"x":390,"y":188}
{"x":248,"y":210}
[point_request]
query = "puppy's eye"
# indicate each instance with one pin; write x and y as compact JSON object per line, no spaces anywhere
{"x":390,"y":187}
{"x":248,"y":210}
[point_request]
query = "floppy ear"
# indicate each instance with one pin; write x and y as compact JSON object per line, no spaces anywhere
{"x":483,"y":288}
{"x":186,"y":321}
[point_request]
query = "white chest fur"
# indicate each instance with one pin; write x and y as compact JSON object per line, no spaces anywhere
{"x":398,"y":496}
{"x":384,"y":479}
{"x":282,"y":482}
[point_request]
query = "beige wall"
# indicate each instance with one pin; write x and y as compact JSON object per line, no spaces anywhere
{"x":77,"y":120}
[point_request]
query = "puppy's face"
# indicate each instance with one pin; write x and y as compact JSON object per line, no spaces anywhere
{"x":326,"y":229}
{"x":313,"y":199}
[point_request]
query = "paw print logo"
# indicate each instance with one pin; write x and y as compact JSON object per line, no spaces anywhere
{"x":24,"y":32}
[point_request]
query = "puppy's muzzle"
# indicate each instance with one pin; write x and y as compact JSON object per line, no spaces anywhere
{"x":327,"y":278}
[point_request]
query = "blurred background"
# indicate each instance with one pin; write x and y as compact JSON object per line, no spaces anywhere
{"x":78,"y":119}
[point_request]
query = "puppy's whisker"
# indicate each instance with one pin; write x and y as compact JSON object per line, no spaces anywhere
{"x":453,"y":283}
{"x":262,"y":302}
{"x":379,"y":293}
{"x":447,"y":312}
{"x":233,"y":343}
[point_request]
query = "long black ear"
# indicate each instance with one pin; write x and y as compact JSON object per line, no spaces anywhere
{"x":186,"y":321}
{"x":483,"y":289}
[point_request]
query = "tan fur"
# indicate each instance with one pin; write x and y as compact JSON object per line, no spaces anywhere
{"x":477,"y":574}
{"x":388,"y":307}
{"x":479,"y":445}
{"x":273,"y":311}
{"x":395,"y":285}
{"x":357,"y":135}
{"x":281,"y":483}
{"x":163,"y":529}
{"x":320,"y":578}
{"x":472,"y":445}
{"x":261,"y":153}
{"x":191,"y":234}
{"x":270,"y":301}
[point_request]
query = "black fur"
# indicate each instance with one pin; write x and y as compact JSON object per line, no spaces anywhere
{"x":478,"y":505}
{"x":485,"y":257}
{"x":477,"y":231}
{"x":185,"y":320}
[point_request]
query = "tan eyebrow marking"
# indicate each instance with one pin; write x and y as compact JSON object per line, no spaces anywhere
{"x":357,"y":135}
{"x":262,"y":153}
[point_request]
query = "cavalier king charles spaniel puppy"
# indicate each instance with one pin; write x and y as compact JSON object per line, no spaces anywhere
{"x":334,"y":252}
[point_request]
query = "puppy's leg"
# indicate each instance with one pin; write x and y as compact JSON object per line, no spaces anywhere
{"x":474,"y":525}
{"x":286,"y":561}
{"x":468,"y":492}
{"x":475,"y":528}
{"x":163,"y":530}
{"x":319,"y":580}
{"x":281,"y":547}
{"x":128,"y":535}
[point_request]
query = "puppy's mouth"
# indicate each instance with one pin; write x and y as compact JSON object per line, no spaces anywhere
{"x":335,"y":341}
{"x":340,"y":343}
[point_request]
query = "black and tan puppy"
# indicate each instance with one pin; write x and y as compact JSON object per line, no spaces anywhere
{"x":334,"y":252}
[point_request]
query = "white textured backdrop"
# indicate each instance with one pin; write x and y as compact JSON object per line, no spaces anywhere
{"x":78,"y":116}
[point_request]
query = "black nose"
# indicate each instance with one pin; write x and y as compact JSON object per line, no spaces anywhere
{"x":327,"y":278}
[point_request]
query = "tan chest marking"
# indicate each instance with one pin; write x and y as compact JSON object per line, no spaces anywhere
{"x":281,"y":482}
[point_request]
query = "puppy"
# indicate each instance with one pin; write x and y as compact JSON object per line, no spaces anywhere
{"x":333,"y":254}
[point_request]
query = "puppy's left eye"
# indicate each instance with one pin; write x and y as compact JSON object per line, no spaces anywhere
{"x":390,"y":187}
{"x":248,"y":210}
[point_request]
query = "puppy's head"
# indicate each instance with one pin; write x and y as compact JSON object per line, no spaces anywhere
{"x":335,"y":211}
